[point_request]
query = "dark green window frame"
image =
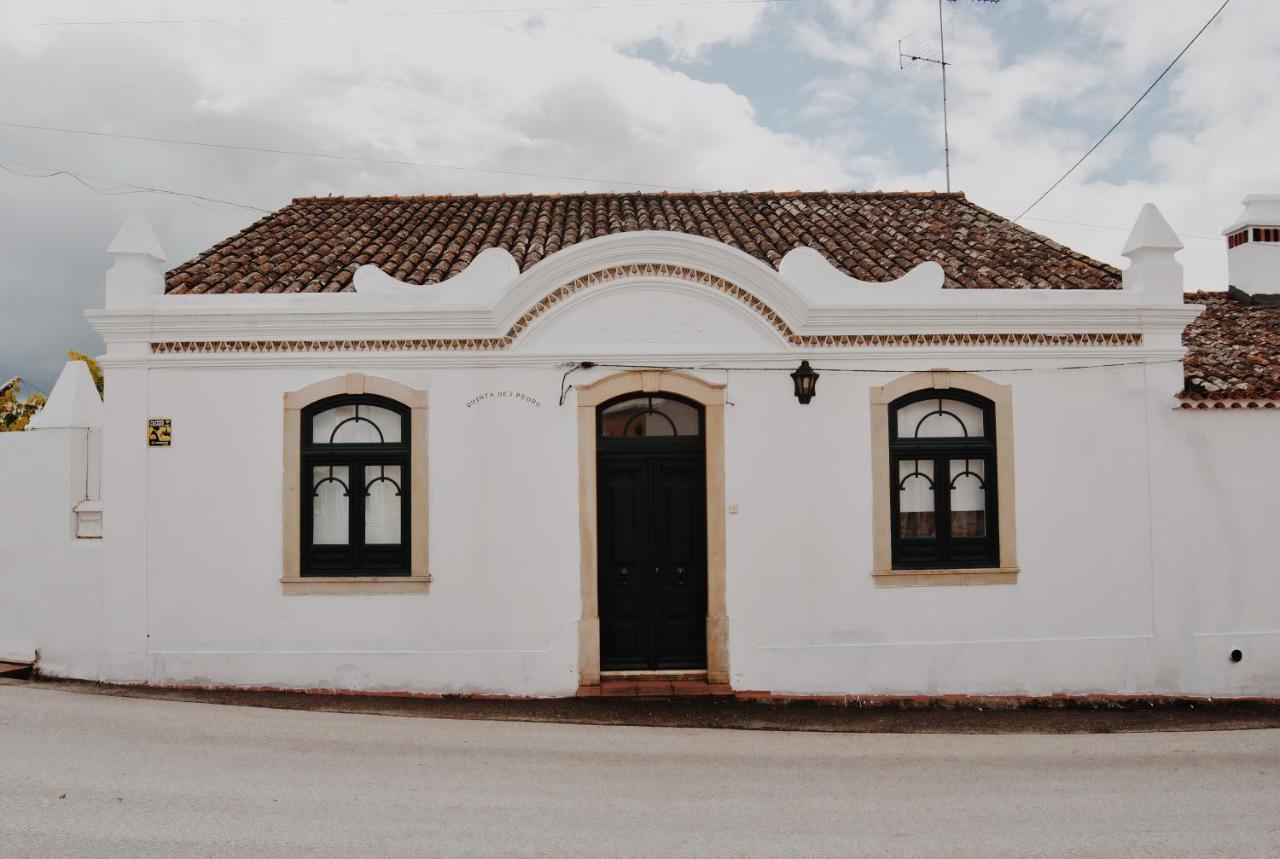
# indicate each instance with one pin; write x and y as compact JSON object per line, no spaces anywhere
{"x":931,"y":460}
{"x":365,"y":466}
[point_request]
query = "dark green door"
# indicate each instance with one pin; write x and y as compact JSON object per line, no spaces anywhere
{"x":652,"y":565}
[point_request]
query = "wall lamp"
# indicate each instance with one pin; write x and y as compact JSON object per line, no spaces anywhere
{"x":806,"y":382}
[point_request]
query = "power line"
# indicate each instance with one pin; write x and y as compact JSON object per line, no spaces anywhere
{"x":331,"y":156}
{"x":435,"y":13}
{"x":1122,"y":229}
{"x":1131,"y":109}
{"x":790,"y":367}
{"x":122,"y":187}
{"x":592,"y":365}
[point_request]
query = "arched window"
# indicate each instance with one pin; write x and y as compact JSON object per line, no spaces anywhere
{"x":650,"y":416}
{"x":942,"y":470}
{"x":355,"y":498}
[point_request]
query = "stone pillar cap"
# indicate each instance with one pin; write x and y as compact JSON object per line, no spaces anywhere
{"x":1151,"y":232}
{"x":136,"y":238}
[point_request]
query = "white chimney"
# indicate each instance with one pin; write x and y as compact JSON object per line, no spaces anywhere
{"x":1253,"y":251}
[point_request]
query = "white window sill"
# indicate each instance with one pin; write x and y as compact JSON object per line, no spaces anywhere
{"x":935,"y":578}
{"x":356,"y":585}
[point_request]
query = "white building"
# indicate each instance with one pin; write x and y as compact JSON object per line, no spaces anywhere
{"x":505,"y":444}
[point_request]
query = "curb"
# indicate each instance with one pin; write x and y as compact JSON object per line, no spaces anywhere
{"x":955,"y":714}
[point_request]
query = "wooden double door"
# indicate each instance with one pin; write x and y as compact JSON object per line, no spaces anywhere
{"x":652,"y":564}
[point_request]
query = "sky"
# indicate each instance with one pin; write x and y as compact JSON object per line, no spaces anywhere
{"x":516,"y":96}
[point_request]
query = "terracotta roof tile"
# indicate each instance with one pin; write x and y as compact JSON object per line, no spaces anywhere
{"x":313,"y":244}
{"x":1233,"y":353}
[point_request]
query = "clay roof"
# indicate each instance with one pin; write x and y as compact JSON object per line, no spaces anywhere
{"x":1233,"y":354}
{"x":315,"y":243}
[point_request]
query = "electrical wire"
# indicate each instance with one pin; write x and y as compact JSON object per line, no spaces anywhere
{"x":790,"y":369}
{"x":435,"y":13}
{"x":332,"y":156}
{"x":1121,"y":229}
{"x":588,"y":365}
{"x":1131,"y":109}
{"x":122,"y":187}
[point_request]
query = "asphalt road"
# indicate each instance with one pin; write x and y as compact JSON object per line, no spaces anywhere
{"x":95,"y":775}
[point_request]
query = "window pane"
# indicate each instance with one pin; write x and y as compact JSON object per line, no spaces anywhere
{"x":329,"y":506}
{"x":649,"y":416}
{"x":968,"y":498}
{"x":915,"y":498}
{"x":940,"y":418}
{"x":682,"y":416}
{"x":383,"y":496}
{"x":355,"y":424}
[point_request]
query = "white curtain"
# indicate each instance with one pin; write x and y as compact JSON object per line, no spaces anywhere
{"x":915,"y":498}
{"x":329,"y":519}
{"x":371,"y":426}
{"x":968,"y":498}
{"x":382,"y":504}
{"x":954,"y":420}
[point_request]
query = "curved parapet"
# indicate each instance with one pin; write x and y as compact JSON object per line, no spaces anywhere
{"x":651,"y":292}
{"x":482,"y":282}
{"x":809,"y":272}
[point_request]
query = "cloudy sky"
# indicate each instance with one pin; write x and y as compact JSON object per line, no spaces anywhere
{"x":499,"y":96}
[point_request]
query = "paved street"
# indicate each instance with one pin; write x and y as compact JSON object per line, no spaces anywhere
{"x":95,"y":775}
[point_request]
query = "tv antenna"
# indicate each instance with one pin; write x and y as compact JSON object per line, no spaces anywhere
{"x":940,"y":61}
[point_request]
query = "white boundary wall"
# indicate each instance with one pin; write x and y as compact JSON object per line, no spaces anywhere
{"x":49,"y":579}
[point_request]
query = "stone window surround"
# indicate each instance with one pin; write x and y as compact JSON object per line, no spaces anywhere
{"x":711,"y":398}
{"x":418,"y":580}
{"x":1001,"y":396}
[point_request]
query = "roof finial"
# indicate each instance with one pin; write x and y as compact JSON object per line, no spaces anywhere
{"x":1153,"y":267}
{"x":1151,"y":232}
{"x":136,"y":277}
{"x":136,"y":238}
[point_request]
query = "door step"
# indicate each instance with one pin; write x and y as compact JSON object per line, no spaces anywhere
{"x":18,"y":670}
{"x":659,"y":674}
{"x":654,"y":684}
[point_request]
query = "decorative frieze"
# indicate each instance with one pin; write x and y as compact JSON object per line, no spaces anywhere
{"x":684,"y":273}
{"x":370,"y":345}
{"x":1206,"y":405}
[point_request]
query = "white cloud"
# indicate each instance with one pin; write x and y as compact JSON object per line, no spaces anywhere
{"x":1020,"y":116}
{"x":631,"y":95}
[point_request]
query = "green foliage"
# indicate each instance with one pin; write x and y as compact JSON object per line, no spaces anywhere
{"x":16,"y":410}
{"x":94,"y":370}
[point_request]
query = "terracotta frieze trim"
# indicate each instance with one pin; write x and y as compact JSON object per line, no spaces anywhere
{"x":1242,"y":403}
{"x":677,"y":272}
{"x":192,"y":347}
{"x":615,"y":273}
{"x":370,"y":345}
{"x":988,"y":339}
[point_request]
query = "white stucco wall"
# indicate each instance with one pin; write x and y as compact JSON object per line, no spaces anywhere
{"x":806,"y":616}
{"x":1218,"y":547}
{"x":502,"y":610}
{"x":48,"y":578}
{"x":1146,"y":538}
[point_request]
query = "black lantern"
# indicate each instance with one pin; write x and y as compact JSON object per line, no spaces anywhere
{"x":806,"y":383}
